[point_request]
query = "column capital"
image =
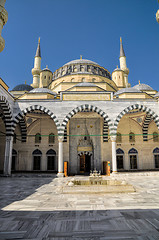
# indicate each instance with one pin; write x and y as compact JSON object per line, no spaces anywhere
{"x":60,"y":138}
{"x":113,"y":138}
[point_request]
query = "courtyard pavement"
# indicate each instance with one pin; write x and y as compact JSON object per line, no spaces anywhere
{"x":36,"y":207}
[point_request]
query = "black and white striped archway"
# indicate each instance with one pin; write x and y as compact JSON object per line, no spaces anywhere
{"x":21,"y":115}
{"x":140,"y":107}
{"x":145,"y":127}
{"x":86,"y":108}
{"x":6,"y":115}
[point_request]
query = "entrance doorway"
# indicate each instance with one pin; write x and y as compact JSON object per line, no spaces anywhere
{"x":120,"y":162}
{"x":133,"y":161}
{"x":85,"y":163}
{"x":50,"y":163}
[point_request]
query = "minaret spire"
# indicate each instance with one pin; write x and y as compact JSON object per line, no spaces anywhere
{"x":122,"y":53}
{"x":123,"y":65}
{"x":38,"y":51}
{"x":37,"y":67}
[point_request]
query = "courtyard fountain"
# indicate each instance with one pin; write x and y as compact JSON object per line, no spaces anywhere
{"x":96,"y":183}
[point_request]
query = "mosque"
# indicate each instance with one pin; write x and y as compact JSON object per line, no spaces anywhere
{"x":80,"y":114}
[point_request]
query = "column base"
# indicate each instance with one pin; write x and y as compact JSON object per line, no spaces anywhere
{"x":7,"y":175}
{"x":114,"y":172}
{"x":60,"y":174}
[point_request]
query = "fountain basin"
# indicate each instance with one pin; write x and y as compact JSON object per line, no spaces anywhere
{"x":90,"y":186}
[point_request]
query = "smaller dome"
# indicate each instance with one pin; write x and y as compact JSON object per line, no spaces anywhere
{"x":42,"y":90}
{"x":143,"y":87}
{"x":127,"y":90}
{"x":46,"y":69}
{"x":118,"y":69}
{"x":157,"y":94}
{"x":22,"y":87}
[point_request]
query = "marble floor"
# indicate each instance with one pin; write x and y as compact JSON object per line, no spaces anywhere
{"x":36,"y":207}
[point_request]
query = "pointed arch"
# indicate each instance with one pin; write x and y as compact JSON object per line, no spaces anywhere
{"x":29,"y":109}
{"x":143,"y":108}
{"x":145,"y":126}
{"x":7,"y":115}
{"x":23,"y":128}
{"x":86,"y":108}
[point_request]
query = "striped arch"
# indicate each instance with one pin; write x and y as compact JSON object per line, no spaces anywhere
{"x":7,"y":115}
{"x":143,"y":108}
{"x":23,"y":128}
{"x":86,"y":108}
{"x":145,"y":127}
{"x":21,"y":115}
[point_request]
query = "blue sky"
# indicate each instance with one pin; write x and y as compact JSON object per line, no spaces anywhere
{"x":70,"y":28}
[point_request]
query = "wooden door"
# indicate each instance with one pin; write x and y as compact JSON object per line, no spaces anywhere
{"x":82,"y":163}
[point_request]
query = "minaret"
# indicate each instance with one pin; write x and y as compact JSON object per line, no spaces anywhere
{"x":3,"y":20}
{"x":37,"y":67}
{"x":123,"y":66}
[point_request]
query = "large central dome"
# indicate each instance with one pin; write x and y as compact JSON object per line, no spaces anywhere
{"x":81,"y":61}
{"x":81,"y":66}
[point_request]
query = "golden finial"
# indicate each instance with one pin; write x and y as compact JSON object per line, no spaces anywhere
{"x":120,"y":39}
{"x":80,"y":56}
{"x":25,"y":81}
{"x":139,"y":82}
{"x":39,"y":40}
{"x":46,"y":66}
{"x":117,"y":66}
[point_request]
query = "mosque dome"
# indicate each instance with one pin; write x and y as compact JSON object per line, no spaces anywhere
{"x":22,"y":87}
{"x":81,"y":66}
{"x":127,"y":90}
{"x":42,"y":90}
{"x":143,"y":87}
{"x":81,"y":61}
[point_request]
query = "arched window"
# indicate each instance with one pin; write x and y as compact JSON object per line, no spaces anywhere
{"x":72,"y":80}
{"x":51,"y":138}
{"x":120,"y":158}
{"x":131,"y":137}
{"x":38,"y":138}
{"x":133,"y":158}
{"x":155,"y":136}
{"x":119,"y":138}
{"x":156,"y":157}
{"x":83,"y":80}
{"x":93,"y":79}
{"x":37,"y":159}
{"x":51,"y":160}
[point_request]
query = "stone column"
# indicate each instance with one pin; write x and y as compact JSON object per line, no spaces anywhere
{"x":8,"y":156}
{"x":114,"y":162}
{"x":60,"y":157}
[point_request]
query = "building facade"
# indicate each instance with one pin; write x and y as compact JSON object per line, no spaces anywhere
{"x":80,"y":114}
